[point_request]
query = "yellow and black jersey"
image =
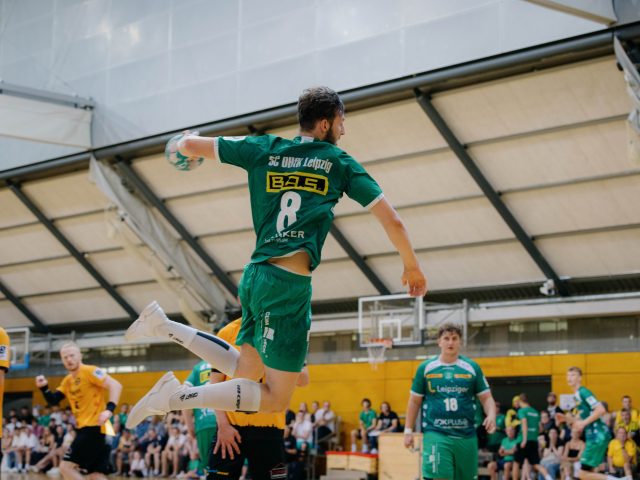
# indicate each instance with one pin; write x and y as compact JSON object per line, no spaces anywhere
{"x":85,"y":393}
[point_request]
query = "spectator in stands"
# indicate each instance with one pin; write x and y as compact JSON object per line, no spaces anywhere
{"x":25,"y":416}
{"x":305,"y":410}
{"x":570,"y":460}
{"x":171,"y":452}
{"x":160,"y":427}
{"x":45,"y":416}
{"x":325,"y":426}
{"x":124,"y":413}
{"x":56,"y":414}
{"x":551,"y":457}
{"x":504,"y":460}
{"x":626,"y":405}
{"x":138,"y":467}
{"x":312,"y":413}
{"x":552,"y":404}
{"x":126,"y":446}
{"x":366,"y":423}
{"x":50,"y":459}
{"x":302,"y":429}
{"x":628,"y":424}
{"x":622,"y":454}
{"x":290,"y":445}
{"x":289,"y":417}
{"x":298,"y":468}
{"x":388,"y":421}
{"x":151,"y":448}
{"x":546,"y":424}
{"x":494,"y":440}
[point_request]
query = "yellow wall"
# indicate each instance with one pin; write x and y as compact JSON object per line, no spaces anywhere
{"x":609,"y":375}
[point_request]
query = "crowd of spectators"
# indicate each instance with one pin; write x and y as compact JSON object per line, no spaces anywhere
{"x":560,"y":447}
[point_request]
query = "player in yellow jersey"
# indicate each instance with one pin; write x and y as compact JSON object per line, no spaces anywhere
{"x":258,"y":437}
{"x":84,"y":388}
{"x":4,"y":367}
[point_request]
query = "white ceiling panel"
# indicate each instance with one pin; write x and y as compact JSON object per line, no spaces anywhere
{"x":577,"y":207}
{"x":166,"y":181}
{"x":555,"y":157}
{"x":595,"y":254}
{"x":424,"y":178}
{"x":388,"y":131}
{"x":46,"y":277}
{"x":561,"y":96}
{"x":12,"y":211}
{"x":340,"y":279}
{"x":88,"y":233}
{"x":11,"y":316}
{"x":231,"y":251}
{"x":119,"y":267}
{"x":32,"y":242}
{"x":214,"y":212}
{"x":500,"y":264}
{"x":430,"y":226}
{"x":75,"y":307}
{"x":65,"y":195}
{"x":139,"y":296}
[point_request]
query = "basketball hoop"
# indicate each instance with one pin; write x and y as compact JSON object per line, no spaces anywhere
{"x":376,"y":350}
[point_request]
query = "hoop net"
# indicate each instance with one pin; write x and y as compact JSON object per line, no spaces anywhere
{"x":376,"y":350}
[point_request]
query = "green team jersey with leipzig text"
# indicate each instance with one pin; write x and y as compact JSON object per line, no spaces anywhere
{"x":449,"y":393}
{"x":294,"y":186}
{"x":585,"y":403}
{"x":533,"y":423}
{"x":203,"y":417}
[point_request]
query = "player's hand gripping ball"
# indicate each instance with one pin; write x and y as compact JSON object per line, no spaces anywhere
{"x":175,"y":158}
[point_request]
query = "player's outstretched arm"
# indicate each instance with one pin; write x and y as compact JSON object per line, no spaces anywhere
{"x":115,"y":389}
{"x":412,"y":277}
{"x":191,"y":145}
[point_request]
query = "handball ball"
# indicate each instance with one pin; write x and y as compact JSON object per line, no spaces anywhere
{"x":179,"y":161}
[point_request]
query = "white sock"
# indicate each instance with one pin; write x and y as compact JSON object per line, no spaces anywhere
{"x":236,"y":395}
{"x":221,"y":355}
{"x":548,"y":477}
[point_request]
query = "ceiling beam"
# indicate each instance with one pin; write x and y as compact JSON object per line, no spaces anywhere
{"x":75,"y":253}
{"x":40,"y":327}
{"x":359,"y":261}
{"x":492,"y":195}
{"x":135,"y":180}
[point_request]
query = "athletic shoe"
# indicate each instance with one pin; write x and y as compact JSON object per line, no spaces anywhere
{"x":156,"y":401}
{"x":145,"y":326}
{"x":54,"y":472}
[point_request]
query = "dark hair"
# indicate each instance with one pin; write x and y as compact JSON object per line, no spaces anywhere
{"x":318,"y":103}
{"x":523,"y":397}
{"x":450,"y":328}
{"x":366,"y":400}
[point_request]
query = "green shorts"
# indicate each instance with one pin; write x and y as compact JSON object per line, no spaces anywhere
{"x":453,"y":458}
{"x":595,"y":450}
{"x":276,"y":315}
{"x":205,"y":438}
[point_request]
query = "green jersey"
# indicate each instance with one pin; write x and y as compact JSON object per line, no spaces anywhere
{"x":449,"y":393}
{"x":294,"y":186}
{"x":508,"y":443}
{"x":367,"y":417}
{"x":203,"y":417}
{"x":533,"y":423}
{"x":585,"y":403}
{"x":494,"y":439}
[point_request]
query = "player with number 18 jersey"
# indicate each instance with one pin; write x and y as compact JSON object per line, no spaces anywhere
{"x":449,"y":395}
